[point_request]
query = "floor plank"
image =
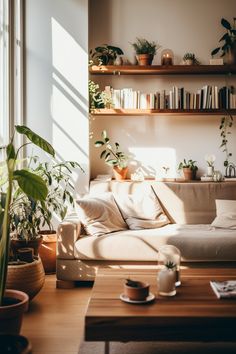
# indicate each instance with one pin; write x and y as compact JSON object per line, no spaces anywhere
{"x":55,"y":320}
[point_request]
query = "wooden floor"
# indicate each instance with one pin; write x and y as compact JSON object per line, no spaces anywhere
{"x":54,"y":323}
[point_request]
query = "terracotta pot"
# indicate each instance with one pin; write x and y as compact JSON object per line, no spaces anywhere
{"x":120,"y":173}
{"x":27,"y":277}
{"x":13,"y":343}
{"x":47,"y":251}
{"x":188,"y":174}
{"x":145,"y":59}
{"x":137,"y":293}
{"x":11,"y":313}
{"x":35,"y":244}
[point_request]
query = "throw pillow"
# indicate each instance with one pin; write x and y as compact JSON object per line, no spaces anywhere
{"x":100,"y":215}
{"x":142,"y":210}
{"x":225,"y":214}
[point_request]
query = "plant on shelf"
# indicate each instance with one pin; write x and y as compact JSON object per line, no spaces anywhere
{"x":95,"y":96}
{"x":113,"y":156}
{"x":210,"y":160}
{"x":189,"y":169}
{"x":190,"y":59}
{"x":228,"y":48}
{"x":145,"y":50}
{"x":33,"y":186}
{"x":105,"y":54}
{"x":226,"y":124}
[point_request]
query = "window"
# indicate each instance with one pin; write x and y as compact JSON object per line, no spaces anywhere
{"x":11,"y":67}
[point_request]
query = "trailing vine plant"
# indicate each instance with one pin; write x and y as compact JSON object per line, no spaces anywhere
{"x":225,"y":128}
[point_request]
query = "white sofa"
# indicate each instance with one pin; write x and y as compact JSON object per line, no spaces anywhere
{"x":190,"y":208}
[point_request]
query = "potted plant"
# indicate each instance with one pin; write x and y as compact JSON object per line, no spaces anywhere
{"x":113,"y":156}
{"x":145,"y":50}
{"x":226,"y":124}
{"x":210,"y":159}
{"x":228,"y":48}
{"x":105,"y":54}
{"x":14,"y":303}
{"x":190,"y":59}
{"x":166,"y":279}
{"x":136,"y":290}
{"x":189,"y":169}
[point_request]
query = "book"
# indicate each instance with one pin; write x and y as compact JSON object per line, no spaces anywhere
{"x":224,"y":289}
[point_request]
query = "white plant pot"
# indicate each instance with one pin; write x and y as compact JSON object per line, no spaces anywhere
{"x":166,"y":282}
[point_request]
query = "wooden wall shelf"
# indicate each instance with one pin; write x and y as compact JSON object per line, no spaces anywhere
{"x":163,"y":70}
{"x":167,"y":112}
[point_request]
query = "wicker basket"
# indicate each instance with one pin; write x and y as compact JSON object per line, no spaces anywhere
{"x":27,"y":277}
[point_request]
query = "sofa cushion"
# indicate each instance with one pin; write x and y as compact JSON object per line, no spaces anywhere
{"x":100,"y":215}
{"x":225,"y":214}
{"x":141,"y":210}
{"x":196,"y":243}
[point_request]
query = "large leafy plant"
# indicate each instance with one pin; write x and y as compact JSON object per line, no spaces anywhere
{"x":226,"y":124}
{"x":111,"y":153}
{"x":105,"y":54}
{"x":228,"y":39}
{"x":30,"y":183}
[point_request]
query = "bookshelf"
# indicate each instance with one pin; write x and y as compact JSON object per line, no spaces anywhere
{"x":163,"y":70}
{"x":160,"y":70}
{"x":166,"y":112}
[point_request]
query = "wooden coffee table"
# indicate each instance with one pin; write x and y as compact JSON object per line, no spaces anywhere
{"x":194,"y":314}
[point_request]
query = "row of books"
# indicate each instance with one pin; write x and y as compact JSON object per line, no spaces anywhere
{"x":208,"y":97}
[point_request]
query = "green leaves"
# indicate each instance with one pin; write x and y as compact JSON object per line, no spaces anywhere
{"x":10,"y":152}
{"x":35,"y":139}
{"x":31,"y":184}
{"x":98,"y":143}
{"x":226,"y":24}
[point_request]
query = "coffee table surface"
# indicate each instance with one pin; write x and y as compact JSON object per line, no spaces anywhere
{"x":194,"y":314}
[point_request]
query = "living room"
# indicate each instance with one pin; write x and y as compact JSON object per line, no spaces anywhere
{"x":156,"y":140}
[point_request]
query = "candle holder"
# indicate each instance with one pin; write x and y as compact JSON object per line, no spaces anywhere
{"x":167,"y":57}
{"x":167,"y":254}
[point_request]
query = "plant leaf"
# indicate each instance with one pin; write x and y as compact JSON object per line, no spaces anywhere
{"x":31,"y":184}
{"x":35,"y":139}
{"x":215,"y":51}
{"x":10,"y":152}
{"x":103,"y":154}
{"x":226,"y":24}
{"x":98,"y":143}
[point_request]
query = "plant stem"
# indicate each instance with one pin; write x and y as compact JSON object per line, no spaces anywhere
{"x":4,"y":242}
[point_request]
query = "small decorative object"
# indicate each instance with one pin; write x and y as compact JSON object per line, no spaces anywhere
{"x":167,"y":57}
{"x":118,"y":60}
{"x":189,"y":169}
{"x":166,"y":279}
{"x":210,"y":159}
{"x":218,"y":61}
{"x":228,"y":47}
{"x":190,"y":59}
{"x":105,"y":55}
{"x":137,"y":176}
{"x":226,"y":124}
{"x":136,"y":290}
{"x":145,"y":51}
{"x":170,"y":253}
{"x":113,"y":156}
{"x":14,"y":344}
{"x":217,"y":176}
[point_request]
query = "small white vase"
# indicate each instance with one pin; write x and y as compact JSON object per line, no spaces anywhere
{"x":118,"y":60}
{"x":210,"y":171}
{"x":166,"y":279}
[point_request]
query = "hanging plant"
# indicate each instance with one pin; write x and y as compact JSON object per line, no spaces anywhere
{"x":225,"y":127}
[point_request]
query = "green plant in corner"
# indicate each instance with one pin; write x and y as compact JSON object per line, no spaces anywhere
{"x":32,"y":185}
{"x":228,"y":39}
{"x":111,"y":154}
{"x":95,"y":96}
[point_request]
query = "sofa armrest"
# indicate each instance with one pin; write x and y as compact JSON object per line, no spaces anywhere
{"x":68,"y":233}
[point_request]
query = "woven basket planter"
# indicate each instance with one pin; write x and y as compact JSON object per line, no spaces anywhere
{"x":27,"y":277}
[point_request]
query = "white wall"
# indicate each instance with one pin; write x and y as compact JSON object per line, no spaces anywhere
{"x":57,"y":78}
{"x":184,"y":26}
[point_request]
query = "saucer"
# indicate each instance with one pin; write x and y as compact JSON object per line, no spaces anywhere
{"x":125,"y":298}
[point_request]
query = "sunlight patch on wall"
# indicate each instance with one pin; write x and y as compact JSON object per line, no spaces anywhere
{"x":153,"y":159}
{"x":69,"y":58}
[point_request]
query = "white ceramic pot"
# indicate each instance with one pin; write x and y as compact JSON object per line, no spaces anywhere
{"x":210,"y":171}
{"x":166,"y":279}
